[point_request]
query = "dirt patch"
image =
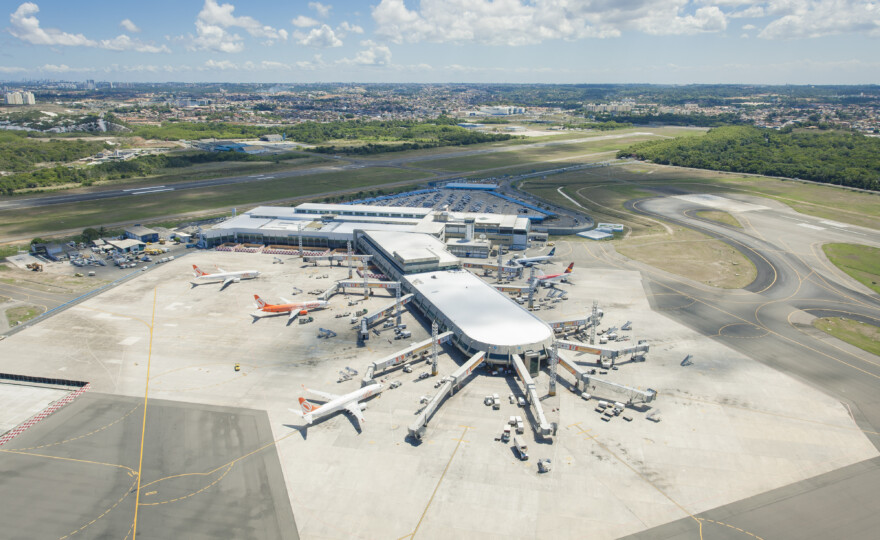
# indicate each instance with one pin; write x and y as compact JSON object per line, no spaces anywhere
{"x":50,"y":282}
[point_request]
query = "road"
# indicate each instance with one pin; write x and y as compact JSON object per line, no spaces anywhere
{"x":770,"y":322}
{"x":350,"y":163}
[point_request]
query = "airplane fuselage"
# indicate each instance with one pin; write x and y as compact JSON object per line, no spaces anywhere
{"x":341,"y":402}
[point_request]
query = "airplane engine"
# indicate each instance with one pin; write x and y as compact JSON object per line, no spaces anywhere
{"x":362,"y":406}
{"x":236,"y":280}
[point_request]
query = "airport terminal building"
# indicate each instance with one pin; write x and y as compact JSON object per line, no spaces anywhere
{"x":332,"y":225}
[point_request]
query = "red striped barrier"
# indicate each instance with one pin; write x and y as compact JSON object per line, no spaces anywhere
{"x":21,"y":428}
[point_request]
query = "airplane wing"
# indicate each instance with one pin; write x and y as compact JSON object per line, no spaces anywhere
{"x":227,"y":281}
{"x":326,"y":395}
{"x":355,"y":410}
{"x":220,"y":270}
{"x":293,"y":314}
{"x":285,"y":300}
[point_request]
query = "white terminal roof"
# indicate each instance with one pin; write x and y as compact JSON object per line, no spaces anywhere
{"x":481,"y":312}
{"x":410,"y":248}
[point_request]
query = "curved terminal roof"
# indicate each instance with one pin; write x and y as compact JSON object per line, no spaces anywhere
{"x":485,"y":317}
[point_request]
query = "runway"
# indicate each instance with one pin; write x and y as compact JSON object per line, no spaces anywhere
{"x":345,"y":164}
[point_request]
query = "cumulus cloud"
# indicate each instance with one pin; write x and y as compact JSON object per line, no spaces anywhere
{"x":817,"y":18}
{"x":319,"y":38}
{"x":375,"y":54}
{"x":213,"y":21}
{"x":130,"y":26}
{"x":524,"y":22}
{"x":12,"y":69}
{"x":322,"y":10}
{"x":26,"y":27}
{"x":304,"y":22}
{"x":125,"y":43}
{"x":346,"y":28}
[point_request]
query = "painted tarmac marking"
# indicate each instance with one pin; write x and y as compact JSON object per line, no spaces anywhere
{"x":144,"y":424}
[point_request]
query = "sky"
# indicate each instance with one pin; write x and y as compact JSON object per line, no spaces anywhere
{"x":437,"y":41}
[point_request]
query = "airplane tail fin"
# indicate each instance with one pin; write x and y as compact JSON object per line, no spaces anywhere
{"x":198,"y":272}
{"x":552,"y":251}
{"x":306,"y":405}
{"x":569,"y":269}
{"x":260,"y":302}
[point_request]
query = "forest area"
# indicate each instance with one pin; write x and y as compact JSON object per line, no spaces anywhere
{"x":846,"y":159}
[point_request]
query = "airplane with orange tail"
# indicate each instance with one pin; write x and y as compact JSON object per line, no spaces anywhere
{"x":293,"y":308}
{"x":549,"y":279}
{"x":227,"y":277}
{"x":350,"y":403}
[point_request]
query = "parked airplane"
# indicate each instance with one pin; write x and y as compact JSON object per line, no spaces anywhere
{"x":549,"y":279}
{"x":227,"y":277}
{"x":528,"y":261}
{"x":348,"y":402}
{"x":293,"y":308}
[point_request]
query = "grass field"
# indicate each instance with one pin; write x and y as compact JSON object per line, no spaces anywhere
{"x":860,"y":262}
{"x":859,"y":334}
{"x":580,"y":152}
{"x":20,"y":314}
{"x":692,"y":255}
{"x":720,"y":216}
{"x":144,"y":207}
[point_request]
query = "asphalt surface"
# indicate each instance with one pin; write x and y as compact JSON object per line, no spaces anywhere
{"x":208,"y":472}
{"x":767,"y":322}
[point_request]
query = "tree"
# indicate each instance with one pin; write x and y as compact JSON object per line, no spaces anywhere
{"x":90,"y":234}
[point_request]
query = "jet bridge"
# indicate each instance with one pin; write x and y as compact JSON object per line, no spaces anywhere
{"x":587,"y":383}
{"x":544,"y":427}
{"x":449,"y":384}
{"x":562,"y":326}
{"x":387,"y":311}
{"x":381,"y":365}
{"x":604,"y":352}
{"x":357,"y":284}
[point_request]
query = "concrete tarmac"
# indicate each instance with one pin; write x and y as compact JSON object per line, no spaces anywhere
{"x":75,"y":473}
{"x":770,"y":322}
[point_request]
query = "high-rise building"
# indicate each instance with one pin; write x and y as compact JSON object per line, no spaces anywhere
{"x":13,"y":98}
{"x":27,"y":98}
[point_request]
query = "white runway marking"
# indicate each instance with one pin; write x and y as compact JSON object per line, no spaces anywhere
{"x":131,"y":340}
{"x":834,"y":224}
{"x":807,"y":225}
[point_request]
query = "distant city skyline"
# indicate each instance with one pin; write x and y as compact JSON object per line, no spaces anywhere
{"x":435,"y":41}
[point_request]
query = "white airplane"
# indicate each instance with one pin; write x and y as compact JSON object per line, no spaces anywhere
{"x":348,"y":402}
{"x":549,"y":279}
{"x":528,"y":261}
{"x":227,"y":277}
{"x":292,"y":308}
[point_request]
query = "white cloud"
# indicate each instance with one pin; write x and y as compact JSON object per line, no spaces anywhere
{"x":319,"y":38}
{"x":520,"y":22}
{"x":222,"y":65}
{"x":12,"y":69}
{"x":302,"y":21}
{"x":130,"y":26}
{"x":125,"y":43}
{"x":322,"y":9}
{"x":375,"y":54}
{"x":817,"y":18}
{"x":26,"y":27}
{"x":213,"y":21}
{"x":346,"y":28}
{"x":62,"y":68}
{"x":751,"y":12}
